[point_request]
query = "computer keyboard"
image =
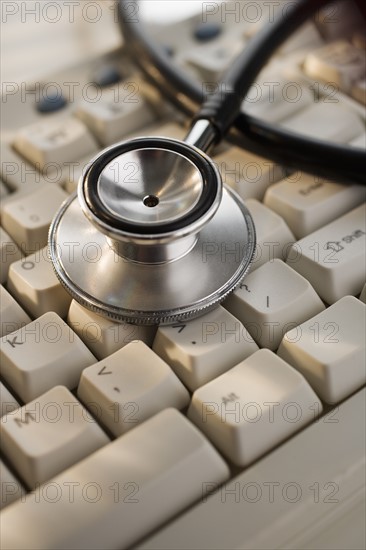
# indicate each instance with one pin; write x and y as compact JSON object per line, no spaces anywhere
{"x":243,"y":428}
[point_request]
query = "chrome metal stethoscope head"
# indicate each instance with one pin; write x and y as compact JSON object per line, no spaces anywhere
{"x":152,"y":236}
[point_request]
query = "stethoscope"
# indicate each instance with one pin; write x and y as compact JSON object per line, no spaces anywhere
{"x":152,"y":236}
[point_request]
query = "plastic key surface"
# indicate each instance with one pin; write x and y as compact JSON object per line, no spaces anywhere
{"x":130,"y":386}
{"x":48,"y":435}
{"x":103,"y":336}
{"x":9,"y":253}
{"x":274,"y":238}
{"x":11,"y":489}
{"x":332,"y":258}
{"x":165,"y":460}
{"x":8,"y":402}
{"x":307,"y":203}
{"x":41,"y":355}
{"x":28,"y":217}
{"x":201,"y":349}
{"x":329,"y":349}
{"x":272,"y":300}
{"x":55,"y":141}
{"x":253,"y":407}
{"x":34,"y":284}
{"x":13,"y":317}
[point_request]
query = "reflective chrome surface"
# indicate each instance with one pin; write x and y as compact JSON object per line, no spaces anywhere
{"x":202,"y":135}
{"x":124,"y":290}
{"x":152,"y":238}
{"x":150,"y":186}
{"x":156,"y":199}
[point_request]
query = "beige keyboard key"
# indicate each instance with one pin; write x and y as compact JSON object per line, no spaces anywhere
{"x":77,"y":169}
{"x":9,"y":253}
{"x":11,"y":489}
{"x":4,"y":191}
{"x":54,"y":142}
{"x":358,"y":90}
{"x":201,"y":349}
{"x":272,"y":300}
{"x":48,"y":435}
{"x":340,"y":63}
{"x":41,"y":355}
{"x":329,"y":349}
{"x":253,"y":407}
{"x":118,"y":112}
{"x":327,"y":121}
{"x":121,"y":492}
{"x":8,"y":402}
{"x":333,"y":257}
{"x":211,"y":60}
{"x":249,"y":175}
{"x":306,"y":202}
{"x":274,"y":99}
{"x":27,"y":219}
{"x":359,"y":141}
{"x":13,"y":317}
{"x":130,"y":386}
{"x":363,"y":294}
{"x":274,"y":238}
{"x":32,"y":281}
{"x":19,"y":175}
{"x":168,"y":129}
{"x":102,"y":336}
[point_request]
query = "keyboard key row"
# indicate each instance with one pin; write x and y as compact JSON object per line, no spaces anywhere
{"x":114,"y":490}
{"x":245,"y":411}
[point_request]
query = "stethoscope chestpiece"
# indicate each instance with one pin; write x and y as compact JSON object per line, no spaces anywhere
{"x":157,"y":238}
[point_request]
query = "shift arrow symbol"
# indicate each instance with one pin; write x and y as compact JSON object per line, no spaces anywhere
{"x":102,"y":371}
{"x":335,"y":246}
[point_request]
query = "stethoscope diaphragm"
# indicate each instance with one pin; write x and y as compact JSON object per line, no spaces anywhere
{"x":153,"y":237}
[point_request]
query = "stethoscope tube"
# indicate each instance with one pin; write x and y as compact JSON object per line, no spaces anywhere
{"x":173,"y":241}
{"x":333,"y":161}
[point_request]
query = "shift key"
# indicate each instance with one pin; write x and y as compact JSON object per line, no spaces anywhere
{"x":333,"y":258}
